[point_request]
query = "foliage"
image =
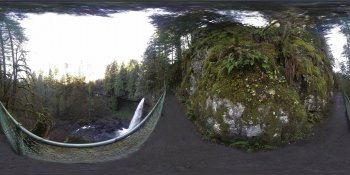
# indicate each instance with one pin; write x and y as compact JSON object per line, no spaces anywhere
{"x":123,"y":82}
{"x":314,"y":118}
{"x":245,"y":59}
{"x":274,"y":73}
{"x":68,"y":98}
{"x":13,"y":65}
{"x":133,"y":71}
{"x":343,"y":76}
{"x":155,"y":66}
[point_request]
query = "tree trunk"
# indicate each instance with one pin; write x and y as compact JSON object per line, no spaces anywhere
{"x":14,"y":66}
{"x":289,"y":70}
{"x":3,"y":75}
{"x":179,"y":55}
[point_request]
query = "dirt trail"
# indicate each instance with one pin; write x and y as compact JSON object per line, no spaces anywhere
{"x":176,"y":148}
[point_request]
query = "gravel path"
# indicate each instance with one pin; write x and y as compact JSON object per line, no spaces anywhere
{"x":176,"y":148}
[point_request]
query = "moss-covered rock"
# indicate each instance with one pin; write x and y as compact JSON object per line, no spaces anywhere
{"x":43,"y":125}
{"x":256,"y":92}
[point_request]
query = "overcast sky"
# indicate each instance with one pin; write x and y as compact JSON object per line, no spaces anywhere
{"x":86,"y":43}
{"x":336,"y":41}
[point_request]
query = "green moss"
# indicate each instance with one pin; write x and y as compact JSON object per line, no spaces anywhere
{"x":185,"y":84}
{"x":301,"y":43}
{"x":43,"y":125}
{"x":241,"y":70}
{"x":216,"y":52}
{"x":319,"y":82}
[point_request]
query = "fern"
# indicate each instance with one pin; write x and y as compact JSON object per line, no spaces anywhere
{"x":246,"y":58}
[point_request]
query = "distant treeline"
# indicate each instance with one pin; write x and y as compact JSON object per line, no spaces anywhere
{"x":68,"y":98}
{"x":71,"y":97}
{"x":122,"y":81}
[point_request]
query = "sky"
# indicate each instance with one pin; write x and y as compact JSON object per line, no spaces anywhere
{"x":86,"y":43}
{"x":246,"y":17}
{"x":336,"y":41}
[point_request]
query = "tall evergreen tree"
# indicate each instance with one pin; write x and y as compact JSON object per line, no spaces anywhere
{"x":13,"y":65}
{"x":121,"y":81}
{"x":133,"y":70}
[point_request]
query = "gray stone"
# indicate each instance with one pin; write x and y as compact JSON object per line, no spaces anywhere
{"x":314,"y":104}
{"x":283,"y":117}
{"x":95,"y":131}
{"x":197,"y":62}
{"x":214,"y":103}
{"x":216,"y":127}
{"x":263,"y":110}
{"x":193,"y":84}
{"x":233,"y":113}
{"x":210,"y":121}
{"x":252,"y":131}
{"x":214,"y":124}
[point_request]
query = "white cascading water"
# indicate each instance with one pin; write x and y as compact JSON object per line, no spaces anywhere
{"x":135,"y":119}
{"x":137,"y":115}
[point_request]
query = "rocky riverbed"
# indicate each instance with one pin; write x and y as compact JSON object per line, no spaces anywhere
{"x":86,"y":131}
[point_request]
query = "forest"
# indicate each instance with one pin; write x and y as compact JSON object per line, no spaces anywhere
{"x":38,"y":101}
{"x":198,"y":54}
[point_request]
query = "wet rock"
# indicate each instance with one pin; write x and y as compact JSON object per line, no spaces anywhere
{"x":271,"y":92}
{"x":193,"y":84}
{"x":264,"y":110}
{"x":245,"y":104}
{"x":197,"y":66}
{"x":214,"y":125}
{"x":283,"y":117}
{"x":233,"y":113}
{"x":314,"y":104}
{"x":197,"y":63}
{"x":95,"y":131}
{"x":231,"y":117}
{"x":252,"y":131}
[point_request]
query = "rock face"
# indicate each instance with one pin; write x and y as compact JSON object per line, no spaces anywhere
{"x":314,"y":104}
{"x":236,"y":92}
{"x":197,"y":65}
{"x":251,"y":131}
{"x":231,"y":115}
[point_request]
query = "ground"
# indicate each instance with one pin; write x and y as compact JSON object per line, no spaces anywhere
{"x":175,"y":147}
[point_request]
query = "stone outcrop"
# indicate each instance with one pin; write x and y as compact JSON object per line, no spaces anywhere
{"x":255,"y":101}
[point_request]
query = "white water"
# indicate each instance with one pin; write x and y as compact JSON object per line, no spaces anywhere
{"x":84,"y":127}
{"x":137,"y":115}
{"x":135,"y":119}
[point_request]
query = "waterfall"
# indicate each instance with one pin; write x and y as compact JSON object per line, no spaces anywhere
{"x":137,"y":115}
{"x":135,"y":119}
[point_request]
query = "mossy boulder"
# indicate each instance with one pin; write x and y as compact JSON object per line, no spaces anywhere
{"x":259,"y":92}
{"x":43,"y":124}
